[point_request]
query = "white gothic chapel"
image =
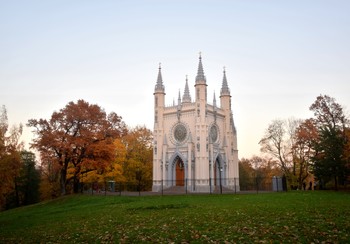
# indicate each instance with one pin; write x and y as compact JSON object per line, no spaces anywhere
{"x":195,"y":143}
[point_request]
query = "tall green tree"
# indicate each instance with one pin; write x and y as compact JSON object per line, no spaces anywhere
{"x":26,"y":183}
{"x":330,"y":150}
{"x":29,"y":179}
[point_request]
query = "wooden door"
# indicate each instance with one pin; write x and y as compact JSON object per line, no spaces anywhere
{"x":180,"y":173}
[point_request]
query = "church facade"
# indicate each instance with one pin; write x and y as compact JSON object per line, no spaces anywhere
{"x":195,"y":143}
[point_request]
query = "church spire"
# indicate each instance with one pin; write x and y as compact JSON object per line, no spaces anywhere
{"x":200,"y":78}
{"x":224,"y":89}
{"x":159,"y":85}
{"x":186,"y":97}
{"x":178,"y":113}
{"x":214,"y":101}
{"x":215,"y":107}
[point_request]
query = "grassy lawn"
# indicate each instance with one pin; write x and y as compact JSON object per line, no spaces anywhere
{"x":281,"y":217}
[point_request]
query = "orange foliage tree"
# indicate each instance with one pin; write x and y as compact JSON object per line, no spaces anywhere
{"x":306,"y":135}
{"x":257,"y":170}
{"x":79,"y":138}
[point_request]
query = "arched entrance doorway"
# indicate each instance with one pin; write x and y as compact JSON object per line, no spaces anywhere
{"x":179,"y":172}
{"x":217,"y":173}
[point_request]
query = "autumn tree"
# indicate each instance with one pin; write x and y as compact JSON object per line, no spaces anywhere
{"x":246,"y":173}
{"x":137,"y":166}
{"x":287,"y":142}
{"x":330,"y":149}
{"x":256,"y":172}
{"x":306,"y":137}
{"x":79,"y":137}
{"x":10,"y":160}
{"x":27,"y":182}
{"x":50,"y":178}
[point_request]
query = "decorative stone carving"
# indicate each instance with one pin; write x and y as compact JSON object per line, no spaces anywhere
{"x":180,"y":133}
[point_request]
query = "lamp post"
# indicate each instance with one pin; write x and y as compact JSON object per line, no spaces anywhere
{"x":210,"y":177}
{"x":161,"y":168}
{"x":139,"y":178}
{"x":256,"y":162}
{"x":220,"y":180}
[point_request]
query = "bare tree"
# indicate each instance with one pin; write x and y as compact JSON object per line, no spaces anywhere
{"x":276,"y":144}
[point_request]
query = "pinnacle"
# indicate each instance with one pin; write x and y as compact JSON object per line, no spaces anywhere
{"x":186,"y":97}
{"x":224,"y":89}
{"x":200,"y":78}
{"x":159,"y":84}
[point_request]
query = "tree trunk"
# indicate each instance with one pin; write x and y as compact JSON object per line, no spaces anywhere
{"x":17,"y":194}
{"x":336,"y":183}
{"x":300,"y":177}
{"x":63,"y":181}
{"x":75,"y":184}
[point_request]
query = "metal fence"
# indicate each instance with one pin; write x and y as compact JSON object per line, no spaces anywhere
{"x":186,"y":186}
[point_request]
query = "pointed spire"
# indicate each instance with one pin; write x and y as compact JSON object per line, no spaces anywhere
{"x":200,"y":78}
{"x":179,"y":99}
{"x":159,"y":85}
{"x":214,"y":100}
{"x":186,"y":97}
{"x":178,"y":113}
{"x":224,"y":89}
{"x":215,"y":107}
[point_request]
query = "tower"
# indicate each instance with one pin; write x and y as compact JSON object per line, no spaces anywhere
{"x":195,"y":142}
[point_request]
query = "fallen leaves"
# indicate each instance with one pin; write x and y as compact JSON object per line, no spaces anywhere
{"x":186,"y":219}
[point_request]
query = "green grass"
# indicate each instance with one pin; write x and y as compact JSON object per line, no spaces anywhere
{"x":272,"y":217}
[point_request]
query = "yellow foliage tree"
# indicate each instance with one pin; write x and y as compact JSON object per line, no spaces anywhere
{"x":137,"y":166}
{"x":10,"y":159}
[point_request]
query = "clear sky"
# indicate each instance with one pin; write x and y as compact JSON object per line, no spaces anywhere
{"x":279,"y":55}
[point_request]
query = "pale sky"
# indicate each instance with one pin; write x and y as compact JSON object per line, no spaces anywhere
{"x":279,"y":56}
